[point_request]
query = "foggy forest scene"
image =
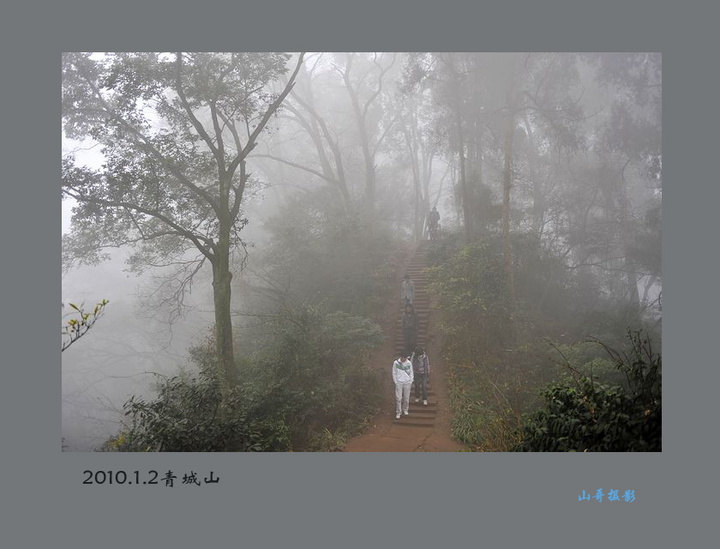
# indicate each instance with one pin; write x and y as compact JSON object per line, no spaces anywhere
{"x":361,"y":251}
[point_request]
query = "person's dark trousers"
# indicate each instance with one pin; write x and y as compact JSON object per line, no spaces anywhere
{"x":410,"y":337}
{"x":421,"y":385}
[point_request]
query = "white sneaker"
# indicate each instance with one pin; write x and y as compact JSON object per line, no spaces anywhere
{"x":406,"y":413}
{"x":397,"y":416}
{"x":417,"y":400}
{"x":424,"y":402}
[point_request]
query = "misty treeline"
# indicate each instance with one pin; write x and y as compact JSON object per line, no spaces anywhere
{"x":546,"y":168}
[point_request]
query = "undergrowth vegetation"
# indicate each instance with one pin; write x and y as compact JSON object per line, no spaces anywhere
{"x":542,"y":373}
{"x":308,"y":389}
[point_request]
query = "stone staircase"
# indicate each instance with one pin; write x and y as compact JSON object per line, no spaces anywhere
{"x":420,"y":415}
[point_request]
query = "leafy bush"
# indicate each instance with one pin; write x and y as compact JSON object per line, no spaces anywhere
{"x":316,"y":368}
{"x":471,"y":292}
{"x":596,"y":417}
{"x":189,"y":415}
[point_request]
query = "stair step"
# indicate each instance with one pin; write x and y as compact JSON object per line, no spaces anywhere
{"x":427,"y":414}
{"x":411,"y":423}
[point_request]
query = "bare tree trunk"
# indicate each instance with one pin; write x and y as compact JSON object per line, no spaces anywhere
{"x":627,"y":233}
{"x":223,"y":323}
{"x":646,"y":289}
{"x":507,"y":184}
{"x":411,"y":140}
{"x":467,"y":213}
{"x":538,"y":207}
{"x":456,"y":104}
{"x":361,"y":113}
{"x":418,"y":214}
{"x":477,"y":176}
{"x":427,"y":159}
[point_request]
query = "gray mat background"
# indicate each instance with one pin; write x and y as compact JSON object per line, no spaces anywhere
{"x":354,"y":500}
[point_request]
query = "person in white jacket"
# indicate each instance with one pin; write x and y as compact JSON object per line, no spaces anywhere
{"x":402,"y":373}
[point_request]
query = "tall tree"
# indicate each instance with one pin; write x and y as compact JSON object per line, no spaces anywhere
{"x":631,"y":140}
{"x":361,"y":107}
{"x":613,"y":193}
{"x":537,"y":90}
{"x":414,"y":145}
{"x":452,"y":73}
{"x":176,"y":131}
{"x":339,"y":103}
{"x":302,"y":109}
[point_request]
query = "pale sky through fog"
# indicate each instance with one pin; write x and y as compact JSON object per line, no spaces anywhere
{"x":85,"y":154}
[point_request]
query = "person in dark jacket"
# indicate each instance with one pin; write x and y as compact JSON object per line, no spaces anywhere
{"x":433,"y":222}
{"x":407,"y":291}
{"x":410,"y":324}
{"x":421,"y":374}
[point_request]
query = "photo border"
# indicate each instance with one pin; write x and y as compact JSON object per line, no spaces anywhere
{"x":356,"y":500}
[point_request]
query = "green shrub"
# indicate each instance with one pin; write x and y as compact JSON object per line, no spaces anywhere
{"x":188,"y":415}
{"x":594,"y":416}
{"x":316,"y":367}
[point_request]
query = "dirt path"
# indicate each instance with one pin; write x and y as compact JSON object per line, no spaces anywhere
{"x":427,"y":428}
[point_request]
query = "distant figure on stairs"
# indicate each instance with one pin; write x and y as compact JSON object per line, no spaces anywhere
{"x":402,"y":374}
{"x":421,"y":374}
{"x":407,"y":291}
{"x":410,"y":325}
